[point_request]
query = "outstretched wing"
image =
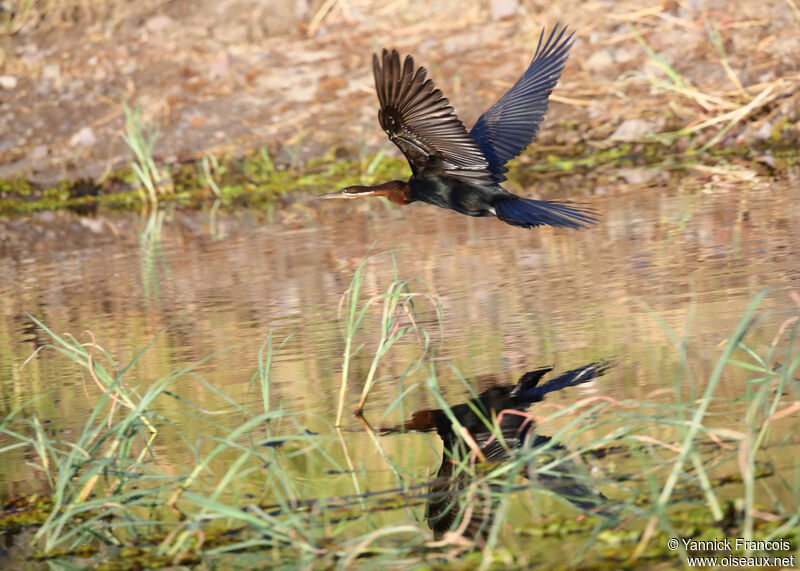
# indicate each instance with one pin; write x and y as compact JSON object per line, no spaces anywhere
{"x":420,"y":121}
{"x":509,"y":126}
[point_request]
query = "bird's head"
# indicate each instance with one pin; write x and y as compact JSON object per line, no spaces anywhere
{"x":396,"y":191}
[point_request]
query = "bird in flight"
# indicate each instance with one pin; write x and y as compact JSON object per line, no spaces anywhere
{"x":461,"y":170}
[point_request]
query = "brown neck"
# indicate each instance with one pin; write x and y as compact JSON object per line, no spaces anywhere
{"x":396,"y":191}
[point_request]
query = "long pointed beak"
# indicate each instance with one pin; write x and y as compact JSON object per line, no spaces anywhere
{"x":337,"y":194}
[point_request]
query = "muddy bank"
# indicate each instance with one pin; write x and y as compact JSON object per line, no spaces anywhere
{"x":294,"y":77}
{"x":255,"y":180}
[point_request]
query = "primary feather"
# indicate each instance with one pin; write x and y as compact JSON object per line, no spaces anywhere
{"x":420,"y":121}
{"x":509,"y":126}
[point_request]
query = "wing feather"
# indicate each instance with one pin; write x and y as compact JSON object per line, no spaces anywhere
{"x":420,"y":121}
{"x":509,"y":126}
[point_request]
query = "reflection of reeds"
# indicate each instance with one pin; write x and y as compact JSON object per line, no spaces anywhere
{"x":153,"y":261}
{"x":112,"y":484}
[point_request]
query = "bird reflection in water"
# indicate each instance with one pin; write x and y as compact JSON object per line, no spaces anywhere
{"x":498,"y":430}
{"x":460,"y":170}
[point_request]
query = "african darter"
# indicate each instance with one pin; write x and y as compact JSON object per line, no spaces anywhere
{"x":461,"y":170}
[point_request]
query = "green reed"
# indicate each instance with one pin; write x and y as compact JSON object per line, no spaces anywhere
{"x":141,"y":139}
{"x":398,"y":317}
{"x":109,"y":453}
{"x":112,"y":489}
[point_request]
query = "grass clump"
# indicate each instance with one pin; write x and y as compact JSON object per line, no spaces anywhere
{"x":141,"y":139}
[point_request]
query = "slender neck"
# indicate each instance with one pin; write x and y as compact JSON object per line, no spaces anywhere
{"x":396,"y":191}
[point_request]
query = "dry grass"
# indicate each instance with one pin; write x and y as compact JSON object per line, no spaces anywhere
{"x":712,"y":110}
{"x":24,"y":16}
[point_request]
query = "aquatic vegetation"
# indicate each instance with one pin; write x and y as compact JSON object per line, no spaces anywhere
{"x":256,"y":485}
{"x":397,"y":319}
{"x":256,"y":181}
{"x":141,"y":139}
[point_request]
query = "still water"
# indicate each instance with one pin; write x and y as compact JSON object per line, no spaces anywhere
{"x":680,"y":262}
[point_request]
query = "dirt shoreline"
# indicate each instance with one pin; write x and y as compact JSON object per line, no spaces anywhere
{"x":226,"y":78}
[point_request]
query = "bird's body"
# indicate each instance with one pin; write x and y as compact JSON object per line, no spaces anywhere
{"x":460,"y":170}
{"x":464,"y":197}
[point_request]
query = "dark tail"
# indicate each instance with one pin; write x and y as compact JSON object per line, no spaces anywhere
{"x":528,"y":213}
{"x":569,"y":379}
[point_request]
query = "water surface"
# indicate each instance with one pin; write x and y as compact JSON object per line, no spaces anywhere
{"x":686,"y":258}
